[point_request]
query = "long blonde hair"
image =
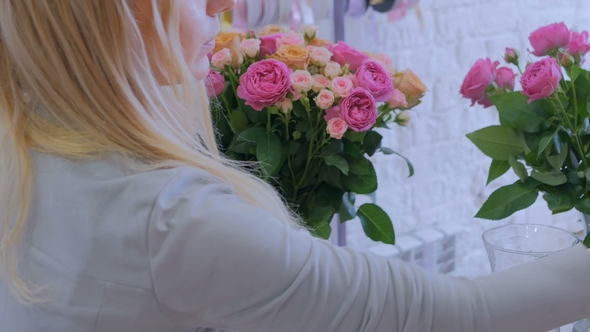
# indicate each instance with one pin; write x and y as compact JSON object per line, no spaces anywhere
{"x":76,"y":81}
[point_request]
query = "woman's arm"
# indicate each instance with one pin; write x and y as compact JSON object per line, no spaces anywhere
{"x":218,"y":261}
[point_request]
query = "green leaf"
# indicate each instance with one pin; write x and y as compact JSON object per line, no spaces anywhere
{"x":302,"y":126}
{"x":253,"y":115}
{"x":361,"y":184}
{"x":347,"y":209}
{"x":338,"y":161}
{"x":322,"y":230}
{"x":332,"y":176}
{"x":583,"y":205}
{"x":497,"y":169}
{"x":546,"y":140}
{"x":497,"y":142}
{"x":353,"y":136}
{"x":268,"y":153}
{"x":559,"y":203}
{"x":238,"y":120}
{"x":518,"y":168}
{"x":351,"y":151}
{"x":557,"y":161}
{"x":507,"y":200}
{"x":408,"y":162}
{"x":293,"y":147}
{"x":376,"y":223}
{"x":361,"y":166}
{"x":554,"y":178}
{"x":587,"y":241}
{"x":333,"y":147}
{"x":587,"y":176}
{"x":386,"y":151}
{"x":245,"y":142}
{"x":516,"y":112}
{"x":372,"y":142}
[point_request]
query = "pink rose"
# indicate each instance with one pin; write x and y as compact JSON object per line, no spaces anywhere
{"x":285,"y":105}
{"x":359,"y":110}
{"x":541,"y":79}
{"x":301,"y":81}
{"x":325,"y":99}
{"x":549,"y":37}
{"x":320,"y":56}
{"x":344,"y":53}
{"x":215,"y":84}
{"x":505,"y":78}
{"x":341,"y":86}
{"x":265,"y":83}
{"x":372,"y":76}
{"x":511,"y":56}
{"x":268,"y":44}
{"x":332,"y":70}
{"x":336,"y":128}
{"x":222,"y":58}
{"x":579,"y":45}
{"x":320,"y":82}
{"x":291,"y":38}
{"x":479,"y":78}
{"x":250,"y":47}
{"x":332,"y":112}
{"x":397,"y":100}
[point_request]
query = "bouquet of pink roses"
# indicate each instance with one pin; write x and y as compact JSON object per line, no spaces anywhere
{"x":544,"y":130}
{"x":305,"y":110}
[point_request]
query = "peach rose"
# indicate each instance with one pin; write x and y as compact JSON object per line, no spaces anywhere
{"x":221,"y":59}
{"x":285,"y":105}
{"x":336,"y":128}
{"x":325,"y":99}
{"x":320,"y":82}
{"x":319,"y":42}
{"x":272,"y":29}
{"x":301,"y":81}
{"x":411,"y":86}
{"x":332,"y":70}
{"x":225,"y":40}
{"x":250,"y":47}
{"x":290,"y":39}
{"x":294,"y":56}
{"x":320,"y":56}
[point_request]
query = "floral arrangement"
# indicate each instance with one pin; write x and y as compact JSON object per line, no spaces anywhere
{"x":544,"y":130}
{"x":306,"y":110}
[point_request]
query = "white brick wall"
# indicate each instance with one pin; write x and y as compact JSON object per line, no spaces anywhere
{"x":449,"y":185}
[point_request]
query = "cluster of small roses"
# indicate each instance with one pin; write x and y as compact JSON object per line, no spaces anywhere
{"x":558,"y":45}
{"x":277,"y":68}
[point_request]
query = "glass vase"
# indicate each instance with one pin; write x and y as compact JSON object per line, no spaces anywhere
{"x":511,"y":245}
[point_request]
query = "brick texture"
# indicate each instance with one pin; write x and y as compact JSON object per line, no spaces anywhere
{"x":449,"y":185}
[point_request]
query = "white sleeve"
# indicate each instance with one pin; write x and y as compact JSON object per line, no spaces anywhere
{"x":218,"y":261}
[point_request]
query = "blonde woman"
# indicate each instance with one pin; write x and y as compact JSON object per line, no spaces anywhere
{"x":119,"y":214}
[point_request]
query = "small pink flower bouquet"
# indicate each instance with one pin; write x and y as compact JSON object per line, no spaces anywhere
{"x":544,"y":130}
{"x":305,"y":110}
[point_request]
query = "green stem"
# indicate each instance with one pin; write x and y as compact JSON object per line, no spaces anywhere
{"x":233,"y":80}
{"x":575,"y":138}
{"x":575,"y":101}
{"x":267,"y":121}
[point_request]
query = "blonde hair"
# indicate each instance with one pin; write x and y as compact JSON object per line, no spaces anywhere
{"x":76,"y":81}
